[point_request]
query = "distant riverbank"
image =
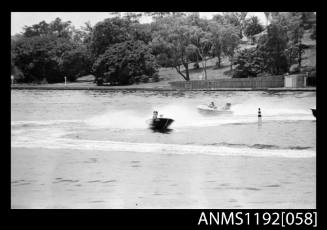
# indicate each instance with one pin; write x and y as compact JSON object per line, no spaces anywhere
{"x":133,"y":87}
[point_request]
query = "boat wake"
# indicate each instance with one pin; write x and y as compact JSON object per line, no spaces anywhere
{"x":160,"y":148}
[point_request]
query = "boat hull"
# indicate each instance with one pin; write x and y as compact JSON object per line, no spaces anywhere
{"x":207,"y":110}
{"x":314,"y":112}
{"x":161,"y":123}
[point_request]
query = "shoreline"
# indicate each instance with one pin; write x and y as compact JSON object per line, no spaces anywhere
{"x":128,"y":88}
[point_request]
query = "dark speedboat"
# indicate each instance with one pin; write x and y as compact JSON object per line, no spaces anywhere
{"x":314,"y":112}
{"x":161,"y":123}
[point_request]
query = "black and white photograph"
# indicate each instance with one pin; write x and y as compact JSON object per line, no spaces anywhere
{"x":163,"y":110}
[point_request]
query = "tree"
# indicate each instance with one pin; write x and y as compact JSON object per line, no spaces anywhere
{"x":61,"y":28}
{"x":194,"y":19}
{"x":249,"y":63}
{"x":294,"y":24}
{"x":217,"y":30}
{"x":295,"y":31}
{"x":141,"y":32}
{"x":41,"y":57}
{"x":252,"y":27}
{"x":272,"y":48}
{"x":125,"y":63}
{"x":279,"y":48}
{"x":40,"y":29}
{"x":275,"y":16}
{"x":236,"y":19}
{"x":50,"y":51}
{"x":230,"y":41}
{"x":57,"y":28}
{"x":171,"y":43}
{"x":82,"y":36}
{"x":160,"y":15}
{"x":219,"y":18}
{"x":133,"y":17}
{"x":241,"y":17}
{"x":201,"y":45}
{"x":108,"y":32}
{"x":76,"y":63}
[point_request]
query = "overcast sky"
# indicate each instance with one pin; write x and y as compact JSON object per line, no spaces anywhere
{"x":21,"y":19}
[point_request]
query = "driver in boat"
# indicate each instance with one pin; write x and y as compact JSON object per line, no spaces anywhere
{"x":155,"y":115}
{"x":212,"y":105}
{"x":227,"y":106}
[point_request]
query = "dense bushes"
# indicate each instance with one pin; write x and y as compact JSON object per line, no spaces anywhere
{"x":272,"y":48}
{"x":49,"y":58}
{"x":40,"y":57}
{"x":76,"y":63}
{"x":115,"y":48}
{"x":49,"y":52}
{"x":120,"y":50}
{"x":249,"y":64}
{"x":268,"y":57}
{"x":125,"y":63}
{"x":108,"y":32}
{"x":252,"y":27}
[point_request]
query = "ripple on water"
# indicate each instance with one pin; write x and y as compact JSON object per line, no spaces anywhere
{"x":21,"y":182}
{"x":272,"y":186}
{"x":64,"y":181}
{"x":157,"y":194}
{"x":91,"y":160}
{"x":93,"y":181}
{"x":25,"y":183}
{"x":224,"y":184}
{"x":17,"y":181}
{"x":135,"y":166}
{"x":135,"y":162}
{"x":102,"y":181}
{"x":109,"y":181}
{"x":237,"y":188}
{"x":96,"y":201}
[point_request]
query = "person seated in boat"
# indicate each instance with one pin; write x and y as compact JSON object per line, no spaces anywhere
{"x":155,"y":115}
{"x":227,"y":106}
{"x":212,"y":105}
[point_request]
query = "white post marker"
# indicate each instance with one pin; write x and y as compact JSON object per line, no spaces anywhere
{"x":259,"y":117}
{"x":65,"y":80}
{"x":12,"y":79}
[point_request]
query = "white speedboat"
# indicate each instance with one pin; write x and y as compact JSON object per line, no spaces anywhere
{"x":215,"y":110}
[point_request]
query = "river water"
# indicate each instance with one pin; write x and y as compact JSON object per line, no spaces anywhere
{"x":96,"y":147}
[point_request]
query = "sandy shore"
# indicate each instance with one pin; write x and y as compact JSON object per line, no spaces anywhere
{"x":44,"y":178}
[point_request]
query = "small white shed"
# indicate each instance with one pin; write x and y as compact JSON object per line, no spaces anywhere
{"x":294,"y":81}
